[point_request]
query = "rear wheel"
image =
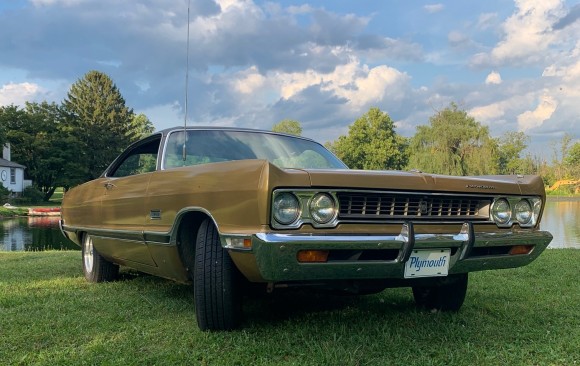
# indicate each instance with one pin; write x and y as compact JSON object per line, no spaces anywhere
{"x":446,"y":295}
{"x":217,"y":287}
{"x":95,"y":267}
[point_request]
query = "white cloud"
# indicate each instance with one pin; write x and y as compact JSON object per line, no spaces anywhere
{"x":488,"y":113}
{"x":493,"y":78}
{"x":532,"y":119}
{"x":17,"y":94}
{"x":249,"y":81}
{"x":503,"y":108}
{"x":567,"y":67}
{"x":527,"y":34}
{"x":358,"y":85}
{"x":457,"y":38}
{"x":487,"y":20}
{"x":433,"y":8}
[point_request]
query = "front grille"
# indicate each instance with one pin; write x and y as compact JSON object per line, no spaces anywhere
{"x":359,"y":206}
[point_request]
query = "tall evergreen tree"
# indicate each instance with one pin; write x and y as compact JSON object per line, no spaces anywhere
{"x":102,"y":122}
{"x":372,"y":143}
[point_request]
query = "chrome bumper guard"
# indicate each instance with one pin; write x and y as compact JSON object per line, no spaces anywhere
{"x":276,"y":253}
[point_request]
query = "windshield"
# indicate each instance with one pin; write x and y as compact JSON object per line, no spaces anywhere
{"x":210,"y":146}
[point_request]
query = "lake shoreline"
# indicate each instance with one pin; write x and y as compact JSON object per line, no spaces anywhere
{"x":562,"y":198}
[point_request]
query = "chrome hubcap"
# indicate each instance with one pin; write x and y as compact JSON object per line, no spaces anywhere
{"x":88,"y":254}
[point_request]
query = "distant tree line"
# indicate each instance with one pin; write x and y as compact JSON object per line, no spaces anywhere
{"x":65,"y":144}
{"x":451,"y":143}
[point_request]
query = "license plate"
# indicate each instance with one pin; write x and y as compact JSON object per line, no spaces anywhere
{"x":428,"y":263}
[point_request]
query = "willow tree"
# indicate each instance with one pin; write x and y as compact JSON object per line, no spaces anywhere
{"x":372,"y":143}
{"x":453,"y":143}
{"x":101,"y":120}
{"x":289,"y":126}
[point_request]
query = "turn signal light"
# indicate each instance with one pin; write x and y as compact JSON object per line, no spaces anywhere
{"x":521,"y":249}
{"x":313,"y":256}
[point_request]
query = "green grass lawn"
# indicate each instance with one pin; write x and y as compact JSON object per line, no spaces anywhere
{"x":56,"y":197}
{"x":49,"y":315}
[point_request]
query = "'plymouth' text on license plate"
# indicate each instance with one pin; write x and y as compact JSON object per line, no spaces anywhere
{"x":428,"y":263}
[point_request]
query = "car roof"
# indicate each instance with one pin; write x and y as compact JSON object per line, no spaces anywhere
{"x":221,"y":128}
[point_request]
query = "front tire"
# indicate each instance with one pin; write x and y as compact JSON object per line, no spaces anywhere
{"x":217,"y":287}
{"x":95,"y":267}
{"x":447,"y":295}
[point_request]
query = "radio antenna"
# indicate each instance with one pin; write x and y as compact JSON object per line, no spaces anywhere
{"x":186,"y":85}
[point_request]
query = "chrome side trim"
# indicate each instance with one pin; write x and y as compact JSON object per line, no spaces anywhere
{"x":126,"y":235}
{"x":149,"y":237}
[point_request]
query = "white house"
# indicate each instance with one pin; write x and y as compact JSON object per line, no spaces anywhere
{"x":11,"y":173}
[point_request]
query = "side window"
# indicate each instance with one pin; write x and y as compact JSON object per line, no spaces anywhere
{"x":141,"y":159}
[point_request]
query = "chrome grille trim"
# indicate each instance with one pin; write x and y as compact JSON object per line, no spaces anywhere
{"x":357,"y":206}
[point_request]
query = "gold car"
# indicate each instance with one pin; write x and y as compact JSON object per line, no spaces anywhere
{"x":219,"y":208}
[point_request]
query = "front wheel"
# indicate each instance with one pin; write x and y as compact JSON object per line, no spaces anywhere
{"x":217,"y":292}
{"x":447,"y":294}
{"x":95,"y":267}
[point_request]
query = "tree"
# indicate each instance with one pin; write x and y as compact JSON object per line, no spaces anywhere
{"x":7,"y":113}
{"x":372,"y":143}
{"x":99,"y":119}
{"x":510,"y":146}
{"x":140,"y":127}
{"x":288,"y":126}
{"x":572,"y":160}
{"x":453,"y":143}
{"x":559,"y":157}
{"x":39,"y":143}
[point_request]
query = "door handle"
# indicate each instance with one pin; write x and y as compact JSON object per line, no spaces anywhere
{"x":109,"y":185}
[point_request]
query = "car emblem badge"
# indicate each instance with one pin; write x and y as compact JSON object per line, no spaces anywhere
{"x":423,"y":207}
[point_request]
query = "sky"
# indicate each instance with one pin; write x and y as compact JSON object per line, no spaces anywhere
{"x":512,"y":65}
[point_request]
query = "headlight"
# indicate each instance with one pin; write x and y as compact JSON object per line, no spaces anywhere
{"x":286,"y":208}
{"x":523,"y":211}
{"x":501,"y":211}
{"x":322,"y":208}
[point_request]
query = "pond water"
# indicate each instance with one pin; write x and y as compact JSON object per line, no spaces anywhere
{"x":33,"y":233}
{"x":561,"y":218}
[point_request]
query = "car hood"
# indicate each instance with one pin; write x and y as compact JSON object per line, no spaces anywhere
{"x":417,"y":181}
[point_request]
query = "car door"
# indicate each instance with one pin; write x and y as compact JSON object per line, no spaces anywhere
{"x":123,"y":213}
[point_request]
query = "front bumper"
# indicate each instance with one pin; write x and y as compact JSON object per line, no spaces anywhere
{"x":358,"y":257}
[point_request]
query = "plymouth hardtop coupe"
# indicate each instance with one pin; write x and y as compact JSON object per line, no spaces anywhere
{"x":222,"y":208}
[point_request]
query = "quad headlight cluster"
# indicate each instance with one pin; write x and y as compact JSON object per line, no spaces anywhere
{"x":524,"y":211}
{"x":291,"y":209}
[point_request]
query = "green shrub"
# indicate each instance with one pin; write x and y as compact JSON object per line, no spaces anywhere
{"x":31,"y":195}
{"x":5,"y":194}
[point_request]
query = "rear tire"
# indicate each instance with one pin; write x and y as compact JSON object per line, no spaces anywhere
{"x":217,"y":285}
{"x":447,"y":295}
{"x":95,"y":267}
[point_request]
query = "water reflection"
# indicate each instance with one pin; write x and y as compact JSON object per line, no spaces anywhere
{"x":32,"y":234}
{"x":561,"y":218}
